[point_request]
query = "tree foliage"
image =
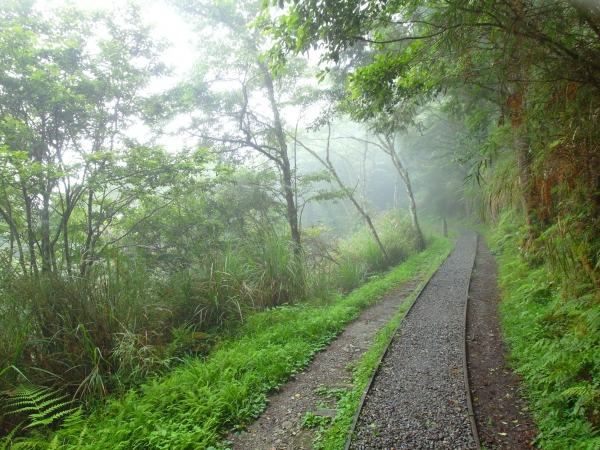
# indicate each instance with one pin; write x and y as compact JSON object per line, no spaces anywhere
{"x":234,"y":102}
{"x":522,"y":78}
{"x":69,"y":172}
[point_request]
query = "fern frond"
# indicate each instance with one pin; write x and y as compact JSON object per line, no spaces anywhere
{"x":586,"y":392}
{"x":28,"y":398}
{"x":39,"y":403}
{"x":6,"y":441}
{"x":50,"y":415}
{"x":54,"y":444}
{"x":593,"y":444}
{"x":30,"y":444}
{"x":74,"y":428}
{"x":74,"y":420}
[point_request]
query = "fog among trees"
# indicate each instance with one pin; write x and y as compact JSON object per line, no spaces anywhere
{"x":311,"y":146}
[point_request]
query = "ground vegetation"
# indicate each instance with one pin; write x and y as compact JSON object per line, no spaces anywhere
{"x":122,"y":260}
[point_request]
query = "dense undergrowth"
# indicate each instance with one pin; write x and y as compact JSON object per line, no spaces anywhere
{"x":199,"y":400}
{"x":551,"y":318}
{"x":95,"y":339}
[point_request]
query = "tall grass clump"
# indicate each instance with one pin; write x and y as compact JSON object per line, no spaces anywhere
{"x":360,"y":255}
{"x":126,"y":321}
{"x":551,"y":319}
{"x":62,"y":330}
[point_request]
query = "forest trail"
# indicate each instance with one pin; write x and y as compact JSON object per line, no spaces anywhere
{"x":280,"y":425}
{"x":418,"y":397}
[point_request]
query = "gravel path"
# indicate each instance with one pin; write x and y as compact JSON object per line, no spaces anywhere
{"x":280,"y":426}
{"x":418,"y":400}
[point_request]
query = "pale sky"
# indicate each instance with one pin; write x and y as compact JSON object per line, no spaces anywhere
{"x":168,"y":25}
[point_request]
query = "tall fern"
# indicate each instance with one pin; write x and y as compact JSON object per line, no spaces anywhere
{"x":40,"y":404}
{"x":6,"y":441}
{"x":42,"y":407}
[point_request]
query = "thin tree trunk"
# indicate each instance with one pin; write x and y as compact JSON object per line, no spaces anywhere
{"x":524,"y":163}
{"x":67,"y":251}
{"x":292,"y":210}
{"x":395,"y":204}
{"x":329,"y":166}
{"x":53,"y":260}
{"x":85,"y":255}
{"x":30,"y":234}
{"x":495,"y":214}
{"x":364,"y":177}
{"x":11,"y":250}
{"x":45,"y":233}
{"x":71,"y":198}
{"x":468,"y":208}
{"x":412,"y":205}
{"x":14,"y":238}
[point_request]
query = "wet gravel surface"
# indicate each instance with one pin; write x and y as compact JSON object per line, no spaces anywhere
{"x":418,"y":399}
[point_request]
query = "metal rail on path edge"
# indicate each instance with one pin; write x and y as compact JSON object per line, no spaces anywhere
{"x":464,"y":354}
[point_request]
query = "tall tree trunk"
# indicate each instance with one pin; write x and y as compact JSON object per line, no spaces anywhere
{"x":86,"y":253}
{"x":33,"y":266}
{"x":495,"y":211}
{"x":67,"y":251}
{"x":527,"y":194}
{"x":329,"y":166}
{"x":14,"y":238}
{"x":363,"y":194}
{"x":68,"y":202}
{"x":368,"y":221}
{"x":286,"y":172}
{"x":45,"y":233}
{"x":387,"y":145}
{"x":11,"y":249}
{"x":468,"y":208}
{"x":515,"y":106}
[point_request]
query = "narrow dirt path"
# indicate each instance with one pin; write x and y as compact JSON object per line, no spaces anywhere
{"x":418,"y":398}
{"x":503,"y":421}
{"x":280,"y":426}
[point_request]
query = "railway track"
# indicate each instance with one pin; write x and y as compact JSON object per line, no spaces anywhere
{"x":419,"y":398}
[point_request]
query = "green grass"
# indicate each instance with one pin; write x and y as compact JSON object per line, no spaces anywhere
{"x":552,"y":324}
{"x":191,"y":407}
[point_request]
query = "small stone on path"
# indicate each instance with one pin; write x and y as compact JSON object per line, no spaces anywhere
{"x":325,"y":412}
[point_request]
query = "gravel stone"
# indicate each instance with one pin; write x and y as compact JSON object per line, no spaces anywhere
{"x":418,"y":399}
